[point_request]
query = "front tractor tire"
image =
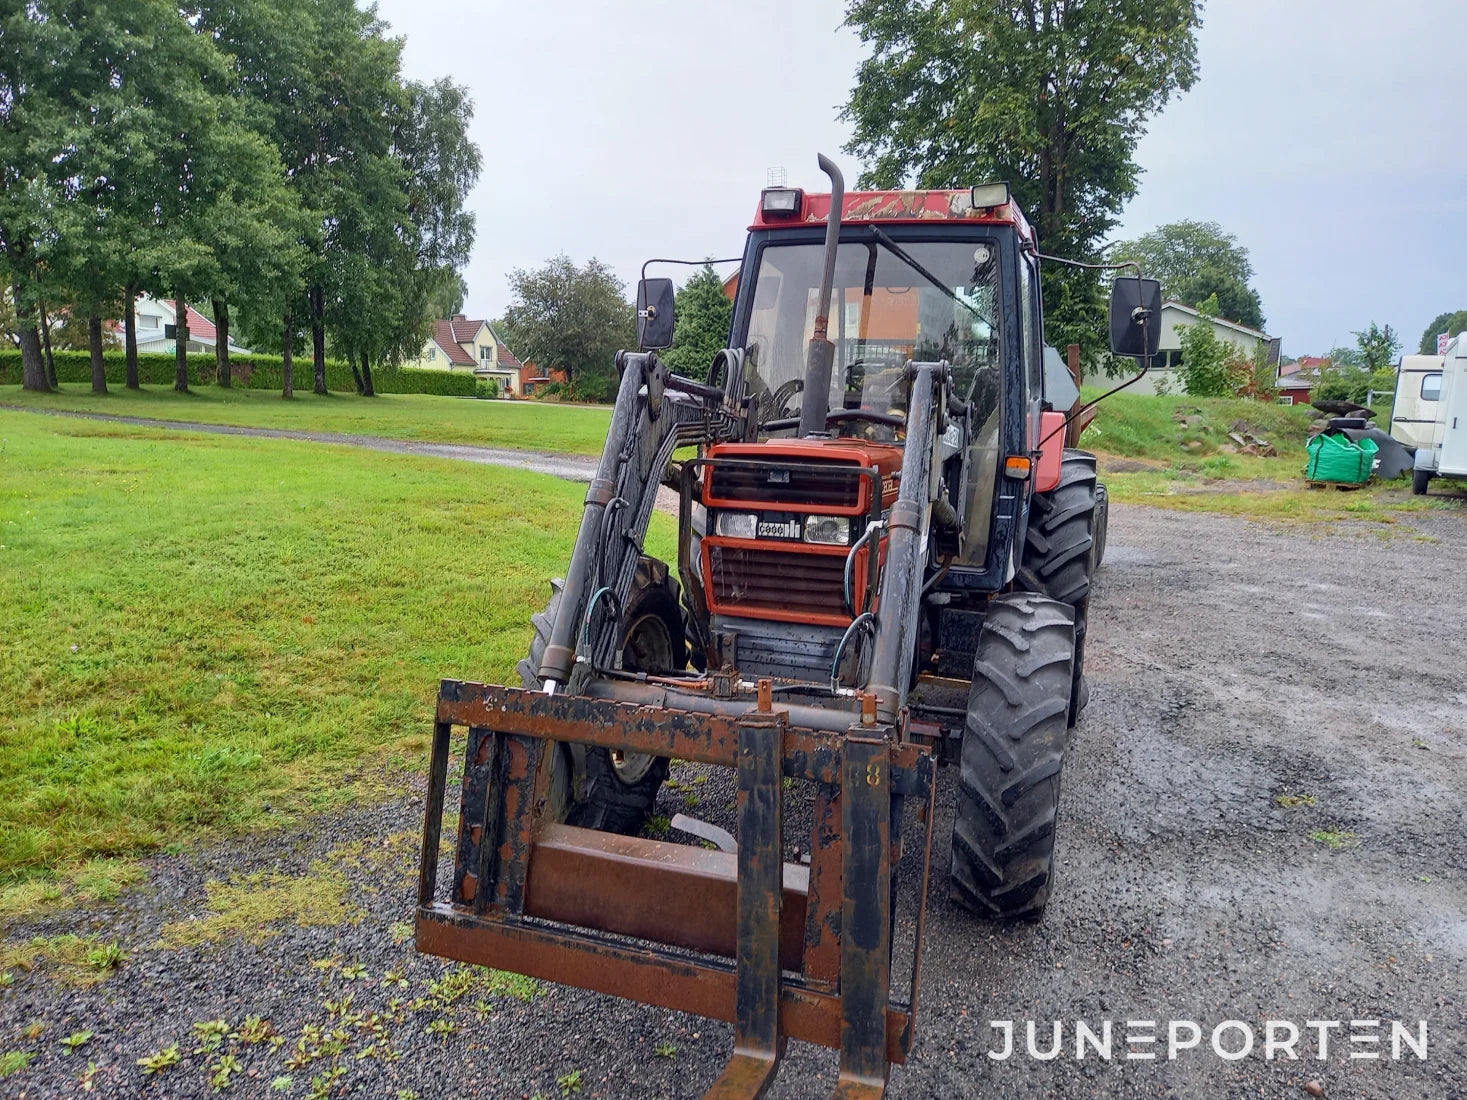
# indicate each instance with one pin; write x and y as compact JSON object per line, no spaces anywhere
{"x":1012,"y":752}
{"x":612,"y":791}
{"x":1059,"y":552}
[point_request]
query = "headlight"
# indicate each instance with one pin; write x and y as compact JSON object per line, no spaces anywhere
{"x":828,"y":530}
{"x":737,"y":525}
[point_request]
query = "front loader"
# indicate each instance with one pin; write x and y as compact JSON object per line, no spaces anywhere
{"x":883,"y":551}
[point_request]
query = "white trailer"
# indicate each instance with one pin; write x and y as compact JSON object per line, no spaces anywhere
{"x":1418,"y":396}
{"x":1442,"y":451}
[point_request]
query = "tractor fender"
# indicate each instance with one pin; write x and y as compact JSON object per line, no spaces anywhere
{"x":1051,"y":451}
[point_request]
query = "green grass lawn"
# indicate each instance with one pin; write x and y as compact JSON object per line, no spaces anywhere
{"x":519,"y":425}
{"x":196,"y":626}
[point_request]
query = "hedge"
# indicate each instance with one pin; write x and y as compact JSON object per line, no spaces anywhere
{"x":255,"y":372}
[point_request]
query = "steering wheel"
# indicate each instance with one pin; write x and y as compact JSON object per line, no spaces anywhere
{"x":840,"y":416}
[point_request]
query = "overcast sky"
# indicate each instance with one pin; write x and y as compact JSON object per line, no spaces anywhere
{"x":1329,"y":135}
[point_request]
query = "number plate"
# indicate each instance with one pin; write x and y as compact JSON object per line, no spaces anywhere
{"x":779,"y":528}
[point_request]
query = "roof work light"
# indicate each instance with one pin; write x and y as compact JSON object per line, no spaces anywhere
{"x":781,"y":202}
{"x":990,"y":194}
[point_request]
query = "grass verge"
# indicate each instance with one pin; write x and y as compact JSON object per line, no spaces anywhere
{"x":1144,"y":426}
{"x":213,"y":632}
{"x":517,"y":425}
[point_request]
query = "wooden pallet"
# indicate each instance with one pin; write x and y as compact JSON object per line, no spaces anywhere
{"x":1338,"y":486}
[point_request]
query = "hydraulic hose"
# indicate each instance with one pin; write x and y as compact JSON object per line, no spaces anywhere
{"x":864,"y":621}
{"x":871,"y":528}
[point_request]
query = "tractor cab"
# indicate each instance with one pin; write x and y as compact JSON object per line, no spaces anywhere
{"x":944,"y":277}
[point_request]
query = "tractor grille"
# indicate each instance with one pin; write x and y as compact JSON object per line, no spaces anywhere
{"x":778,"y":580}
{"x":809,"y":485}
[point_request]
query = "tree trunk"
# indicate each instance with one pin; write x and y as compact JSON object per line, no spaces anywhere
{"x":32,"y":364}
{"x":356,"y":376}
{"x":130,"y":334}
{"x":367,"y":388}
{"x":221,"y":343}
{"x":287,"y":347}
{"x":180,"y":344}
{"x":46,"y":347}
{"x":318,"y":336}
{"x":94,"y":341}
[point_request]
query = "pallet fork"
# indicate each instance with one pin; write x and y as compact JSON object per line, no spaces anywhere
{"x":776,"y":948}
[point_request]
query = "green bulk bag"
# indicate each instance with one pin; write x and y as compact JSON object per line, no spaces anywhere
{"x":1338,"y":458}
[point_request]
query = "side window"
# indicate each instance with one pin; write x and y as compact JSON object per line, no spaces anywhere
{"x":1029,"y":338}
{"x":1431,"y":387}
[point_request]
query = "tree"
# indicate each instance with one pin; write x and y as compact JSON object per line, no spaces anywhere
{"x":1051,"y":95}
{"x":1195,"y":260}
{"x":704,"y":318}
{"x":1204,"y":367}
{"x":575,"y":318}
{"x":446,"y":297}
{"x":42,"y":82}
{"x":1450,"y":323}
{"x":408,"y":242}
{"x":1378,"y":347}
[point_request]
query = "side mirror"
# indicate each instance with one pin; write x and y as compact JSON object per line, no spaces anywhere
{"x":1132,"y":302}
{"x":655,"y":317}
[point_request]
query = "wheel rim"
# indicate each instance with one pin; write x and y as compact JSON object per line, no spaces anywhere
{"x":648,"y":648}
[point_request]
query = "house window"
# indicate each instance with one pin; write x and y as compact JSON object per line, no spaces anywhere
{"x":432,"y":353}
{"x":146,"y":321}
{"x":1286,"y":399}
{"x":486,"y":353}
{"x":1431,"y":387}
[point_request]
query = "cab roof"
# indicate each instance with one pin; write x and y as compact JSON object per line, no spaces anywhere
{"x":899,"y":206}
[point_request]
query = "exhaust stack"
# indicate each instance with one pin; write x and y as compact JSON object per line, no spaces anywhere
{"x":815,"y":404}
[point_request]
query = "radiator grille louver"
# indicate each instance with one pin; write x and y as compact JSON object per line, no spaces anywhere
{"x":812,"y":487}
{"x":778,"y":580}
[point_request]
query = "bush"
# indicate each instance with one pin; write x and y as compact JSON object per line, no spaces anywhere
{"x":255,"y":372}
{"x":488,"y":389}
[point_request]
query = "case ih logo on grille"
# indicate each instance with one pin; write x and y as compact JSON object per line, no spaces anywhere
{"x":779,"y":528}
{"x":778,"y":477}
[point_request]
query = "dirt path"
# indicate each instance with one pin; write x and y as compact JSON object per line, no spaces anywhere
{"x":1262,"y":819}
{"x":570,"y":467}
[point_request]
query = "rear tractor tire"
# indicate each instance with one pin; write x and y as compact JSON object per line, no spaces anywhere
{"x":1012,"y":753}
{"x":1059,"y":552}
{"x":1102,"y":523}
{"x":613,"y":791}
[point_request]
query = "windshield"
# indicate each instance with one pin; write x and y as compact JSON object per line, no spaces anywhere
{"x":910,"y":300}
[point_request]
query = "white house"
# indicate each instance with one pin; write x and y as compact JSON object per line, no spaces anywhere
{"x":465,"y":345}
{"x":1163,"y":376}
{"x":154,"y":319}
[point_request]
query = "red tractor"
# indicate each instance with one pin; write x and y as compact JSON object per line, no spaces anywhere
{"x":884,"y":561}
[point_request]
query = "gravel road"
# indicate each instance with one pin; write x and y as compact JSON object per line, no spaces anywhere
{"x":570,"y":467}
{"x":1262,"y":819}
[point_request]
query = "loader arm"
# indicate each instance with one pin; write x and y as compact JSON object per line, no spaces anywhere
{"x":655,"y":413}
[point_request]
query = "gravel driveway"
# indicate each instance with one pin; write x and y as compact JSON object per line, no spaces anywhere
{"x":1262,"y":820}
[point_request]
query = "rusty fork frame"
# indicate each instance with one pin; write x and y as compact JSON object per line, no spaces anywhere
{"x":778,"y":949}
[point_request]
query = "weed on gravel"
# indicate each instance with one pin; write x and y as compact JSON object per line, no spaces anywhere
{"x":1334,"y":839}
{"x":71,"y":959}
